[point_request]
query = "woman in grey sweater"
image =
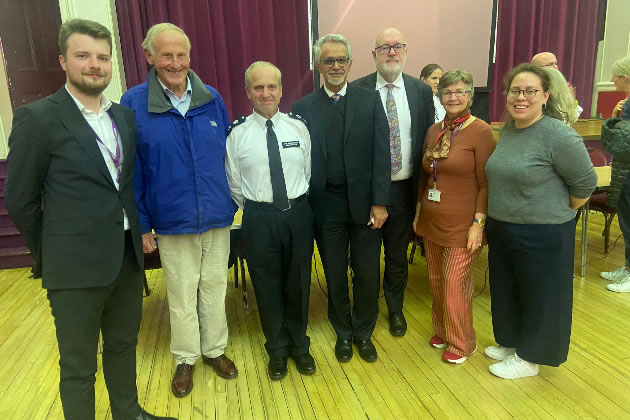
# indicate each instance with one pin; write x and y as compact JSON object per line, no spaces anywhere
{"x":538,"y":175}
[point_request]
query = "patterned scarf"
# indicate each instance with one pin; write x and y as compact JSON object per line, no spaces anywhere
{"x":442,"y":144}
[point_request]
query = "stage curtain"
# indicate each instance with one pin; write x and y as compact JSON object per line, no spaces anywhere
{"x":571,"y":29}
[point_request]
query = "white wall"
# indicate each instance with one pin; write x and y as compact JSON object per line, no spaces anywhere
{"x":102,"y":11}
{"x":616,"y":44}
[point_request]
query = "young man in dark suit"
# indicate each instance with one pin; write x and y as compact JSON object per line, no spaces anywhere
{"x":410,"y":112}
{"x":350,"y":179}
{"x":69,"y":192}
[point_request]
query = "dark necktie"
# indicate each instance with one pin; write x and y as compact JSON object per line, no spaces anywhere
{"x":279,"y":188}
{"x":335,"y":98}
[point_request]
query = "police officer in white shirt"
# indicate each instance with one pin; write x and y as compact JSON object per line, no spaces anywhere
{"x":268,"y":165}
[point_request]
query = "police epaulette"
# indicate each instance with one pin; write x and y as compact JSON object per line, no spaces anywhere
{"x":298,"y":117}
{"x":238,"y":121}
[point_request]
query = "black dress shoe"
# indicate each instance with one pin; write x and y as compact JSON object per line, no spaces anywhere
{"x":343,"y":349}
{"x":304,"y":363}
{"x":277,"y":368}
{"x":367,"y":351}
{"x":147,"y":416}
{"x":397,"y":324}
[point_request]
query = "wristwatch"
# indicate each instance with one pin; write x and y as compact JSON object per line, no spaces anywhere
{"x":480,"y":222}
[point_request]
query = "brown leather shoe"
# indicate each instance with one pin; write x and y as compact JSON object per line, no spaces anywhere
{"x":182,"y":382}
{"x":223,"y":366}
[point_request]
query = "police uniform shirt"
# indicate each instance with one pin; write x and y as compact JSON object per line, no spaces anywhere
{"x":247,"y":160}
{"x":404,"y":122}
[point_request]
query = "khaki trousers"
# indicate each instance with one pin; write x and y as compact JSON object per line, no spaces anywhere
{"x":195,"y":272}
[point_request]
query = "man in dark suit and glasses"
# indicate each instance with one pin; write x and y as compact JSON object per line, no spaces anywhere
{"x":409,"y":107}
{"x":69,"y":192}
{"x":350,"y":179}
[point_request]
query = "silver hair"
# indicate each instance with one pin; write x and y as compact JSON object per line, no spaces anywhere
{"x":621,"y":67}
{"x":562,"y":99}
{"x":158,"y":28}
{"x":248,"y":79}
{"x":317,"y":48}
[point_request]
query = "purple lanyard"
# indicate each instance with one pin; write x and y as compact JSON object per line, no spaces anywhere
{"x":435,"y":161}
{"x":115,"y":157}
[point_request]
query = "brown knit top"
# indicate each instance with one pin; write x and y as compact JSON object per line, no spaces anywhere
{"x":461,"y":181}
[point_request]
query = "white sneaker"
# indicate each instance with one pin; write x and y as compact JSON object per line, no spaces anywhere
{"x":619,"y":287}
{"x":499,"y":352}
{"x":619,"y":275}
{"x":513,"y":367}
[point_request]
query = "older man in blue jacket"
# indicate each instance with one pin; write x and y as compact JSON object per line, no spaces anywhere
{"x":182,"y":194}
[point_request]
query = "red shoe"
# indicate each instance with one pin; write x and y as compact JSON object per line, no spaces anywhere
{"x":450,"y":357}
{"x":437,"y":342}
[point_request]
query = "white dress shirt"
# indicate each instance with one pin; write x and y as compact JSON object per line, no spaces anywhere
{"x":440,"y":112}
{"x":181,"y":104}
{"x":342,"y":92}
{"x":404,"y":122}
{"x":247,"y":160}
{"x":101,"y":123}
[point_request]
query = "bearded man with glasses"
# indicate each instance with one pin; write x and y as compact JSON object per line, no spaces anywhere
{"x":408,"y":104}
{"x":349,"y":192}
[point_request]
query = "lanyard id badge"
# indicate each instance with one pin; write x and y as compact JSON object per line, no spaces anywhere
{"x":434,"y":193}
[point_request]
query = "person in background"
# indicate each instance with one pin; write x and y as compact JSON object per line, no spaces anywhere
{"x":616,"y":140}
{"x":451,"y":213}
{"x":409,"y":107}
{"x":548,"y":60}
{"x":430,"y":74}
{"x":268,"y":165}
{"x":564,"y":101}
{"x":538,"y":175}
{"x":182,"y":194}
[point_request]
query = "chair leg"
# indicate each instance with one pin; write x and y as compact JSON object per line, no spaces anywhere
{"x":147,"y":291}
{"x":609,"y":218}
{"x":236,"y":272}
{"x":244,"y":287}
{"x":412,"y":252}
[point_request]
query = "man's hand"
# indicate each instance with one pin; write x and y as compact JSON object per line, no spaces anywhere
{"x":148,"y":243}
{"x":617,"y":110}
{"x":379,"y":214}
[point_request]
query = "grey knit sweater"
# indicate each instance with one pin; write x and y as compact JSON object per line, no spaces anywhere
{"x":533,"y":171}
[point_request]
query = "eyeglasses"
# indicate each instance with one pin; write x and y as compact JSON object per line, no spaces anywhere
{"x":458,"y":93}
{"x":528,"y":93}
{"x":330,"y":61}
{"x":385,"y":49}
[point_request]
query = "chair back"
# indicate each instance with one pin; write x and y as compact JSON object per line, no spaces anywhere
{"x":598,"y":158}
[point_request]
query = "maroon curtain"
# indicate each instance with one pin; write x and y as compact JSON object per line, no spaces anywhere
{"x":226,"y":37}
{"x":570,"y":29}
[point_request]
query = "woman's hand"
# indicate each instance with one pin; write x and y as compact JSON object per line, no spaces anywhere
{"x":618,"y":108}
{"x":415,"y":219}
{"x":475,"y":236}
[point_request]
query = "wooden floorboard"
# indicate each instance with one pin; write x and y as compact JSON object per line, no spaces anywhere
{"x":409,"y":381}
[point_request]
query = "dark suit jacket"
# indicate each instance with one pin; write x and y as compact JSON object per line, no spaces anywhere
{"x":366,"y":151}
{"x":76,"y":234}
{"x":420,"y":99}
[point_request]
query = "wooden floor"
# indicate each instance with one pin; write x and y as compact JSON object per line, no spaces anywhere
{"x":409,"y":381}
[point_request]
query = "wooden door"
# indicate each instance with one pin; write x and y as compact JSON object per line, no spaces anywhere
{"x":28,"y":36}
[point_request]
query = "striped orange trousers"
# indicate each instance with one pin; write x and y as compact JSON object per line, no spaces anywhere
{"x":452,"y":284}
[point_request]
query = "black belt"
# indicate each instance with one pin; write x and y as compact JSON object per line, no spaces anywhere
{"x":270,"y":206}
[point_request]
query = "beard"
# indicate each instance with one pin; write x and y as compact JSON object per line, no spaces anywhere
{"x":390,"y":70}
{"x":87,"y":86}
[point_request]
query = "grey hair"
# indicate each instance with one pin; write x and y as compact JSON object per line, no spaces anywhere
{"x":621,"y":67}
{"x":317,"y":48}
{"x":248,"y":79}
{"x":158,"y":28}
{"x":455,"y":76}
{"x":562,"y":99}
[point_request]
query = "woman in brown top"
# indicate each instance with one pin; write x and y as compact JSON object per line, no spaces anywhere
{"x":451,"y":213}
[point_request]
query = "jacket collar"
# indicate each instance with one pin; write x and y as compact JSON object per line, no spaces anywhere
{"x":159,"y":102}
